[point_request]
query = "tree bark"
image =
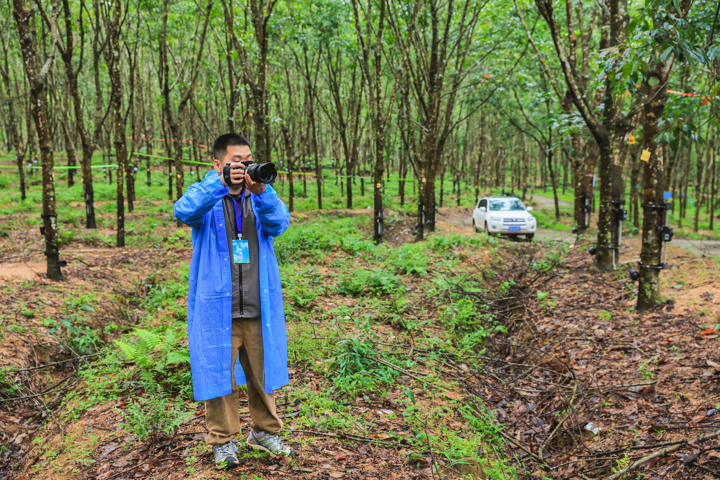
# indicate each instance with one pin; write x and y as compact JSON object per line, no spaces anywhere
{"x":113,"y":59}
{"x":173,"y":119}
{"x":87,"y":142}
{"x":255,"y":75}
{"x":37,"y":79}
{"x":380,"y":105}
{"x":14,"y":133}
{"x":655,"y":90}
{"x":608,"y":132}
{"x":634,"y":184}
{"x":69,"y":150}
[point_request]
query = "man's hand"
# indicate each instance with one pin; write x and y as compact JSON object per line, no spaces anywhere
{"x":254,"y":187}
{"x":236,"y":174}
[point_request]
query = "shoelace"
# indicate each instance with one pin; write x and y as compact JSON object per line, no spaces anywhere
{"x":226,"y":448}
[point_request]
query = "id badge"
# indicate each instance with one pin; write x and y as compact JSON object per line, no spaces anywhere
{"x":241,"y":251}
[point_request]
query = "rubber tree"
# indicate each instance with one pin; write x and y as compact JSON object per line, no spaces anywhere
{"x":15,"y":133}
{"x":113,"y":54}
{"x":308,"y":64}
{"x":345,"y":84}
{"x":67,"y":44}
{"x":665,"y":50}
{"x":172,"y":118}
{"x":37,"y":79}
{"x":608,"y":130}
{"x":435,"y":41}
{"x":289,"y":127}
{"x":370,"y":20}
{"x":582,"y":163}
{"x":254,"y":66}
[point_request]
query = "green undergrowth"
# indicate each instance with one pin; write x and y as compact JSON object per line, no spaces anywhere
{"x":367,"y":325}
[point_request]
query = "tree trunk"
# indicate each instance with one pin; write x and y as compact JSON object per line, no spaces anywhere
{"x":70,"y":151}
{"x":653,"y":183}
{"x":149,"y":151}
{"x":634,"y":184}
{"x":315,"y":149}
{"x":584,"y":171}
{"x":713,"y":191}
{"x":553,"y":180}
{"x":604,"y":256}
{"x":700,"y":191}
{"x":14,"y":133}
{"x":290,"y":155}
{"x":377,"y":182}
{"x":113,"y":59}
{"x":38,"y":101}
{"x":481,"y":148}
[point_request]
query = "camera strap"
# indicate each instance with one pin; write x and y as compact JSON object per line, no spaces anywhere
{"x":238,"y":215}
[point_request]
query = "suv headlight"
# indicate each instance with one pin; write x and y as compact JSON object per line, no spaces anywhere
{"x":495,"y":219}
{"x":531,"y":218}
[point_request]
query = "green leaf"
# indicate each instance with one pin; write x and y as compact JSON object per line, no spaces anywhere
{"x":410,"y":395}
{"x":713,"y":52}
{"x":666,"y":54}
{"x":652,"y":81}
{"x":177,"y":357}
{"x":696,"y":55}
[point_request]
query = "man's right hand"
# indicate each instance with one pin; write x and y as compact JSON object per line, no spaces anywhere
{"x":237,"y":175}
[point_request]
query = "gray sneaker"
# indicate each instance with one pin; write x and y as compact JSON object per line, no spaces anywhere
{"x":226,"y":455}
{"x":270,"y":443}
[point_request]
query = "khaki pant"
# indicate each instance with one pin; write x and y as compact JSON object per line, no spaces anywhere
{"x":222,"y":413}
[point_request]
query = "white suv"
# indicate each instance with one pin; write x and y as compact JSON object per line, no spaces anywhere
{"x":504,"y":215}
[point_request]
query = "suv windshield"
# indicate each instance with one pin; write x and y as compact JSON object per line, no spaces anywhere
{"x":506,"y":205}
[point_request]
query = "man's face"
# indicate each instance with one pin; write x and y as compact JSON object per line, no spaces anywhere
{"x":234,"y":153}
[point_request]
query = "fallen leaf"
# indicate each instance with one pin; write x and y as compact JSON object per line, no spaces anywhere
{"x":123,"y":461}
{"x":109,"y":448}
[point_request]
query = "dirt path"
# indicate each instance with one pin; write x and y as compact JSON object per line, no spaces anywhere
{"x":543,"y":201}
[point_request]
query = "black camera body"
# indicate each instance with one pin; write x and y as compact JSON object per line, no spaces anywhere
{"x":263,"y":173}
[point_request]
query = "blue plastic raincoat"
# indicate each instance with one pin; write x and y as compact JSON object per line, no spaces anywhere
{"x":210,"y":294}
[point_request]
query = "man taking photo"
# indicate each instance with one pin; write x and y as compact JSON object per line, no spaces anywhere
{"x":236,"y":320}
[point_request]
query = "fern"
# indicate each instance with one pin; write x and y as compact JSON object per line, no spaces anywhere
{"x":147,"y":340}
{"x":128,"y":350}
{"x":174,"y":358}
{"x":152,"y":350}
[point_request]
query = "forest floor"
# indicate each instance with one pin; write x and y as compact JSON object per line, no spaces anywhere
{"x":461,"y":357}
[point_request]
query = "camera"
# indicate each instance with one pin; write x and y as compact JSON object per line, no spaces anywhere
{"x":263,"y":173}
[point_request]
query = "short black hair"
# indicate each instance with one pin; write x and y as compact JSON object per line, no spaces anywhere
{"x":226,"y":140}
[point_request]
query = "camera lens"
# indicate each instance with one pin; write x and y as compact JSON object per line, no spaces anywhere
{"x":264,"y":173}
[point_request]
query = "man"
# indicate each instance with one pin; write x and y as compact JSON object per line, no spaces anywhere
{"x":236,"y":321}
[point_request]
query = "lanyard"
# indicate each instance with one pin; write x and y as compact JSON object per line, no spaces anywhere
{"x":238,"y":217}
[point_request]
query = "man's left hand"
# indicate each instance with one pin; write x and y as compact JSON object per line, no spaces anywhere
{"x":254,"y":187}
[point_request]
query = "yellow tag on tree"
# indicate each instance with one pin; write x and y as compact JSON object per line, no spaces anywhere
{"x":645,"y":155}
{"x":631,"y":140}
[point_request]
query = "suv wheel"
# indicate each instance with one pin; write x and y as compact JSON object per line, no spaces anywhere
{"x":487,"y":230}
